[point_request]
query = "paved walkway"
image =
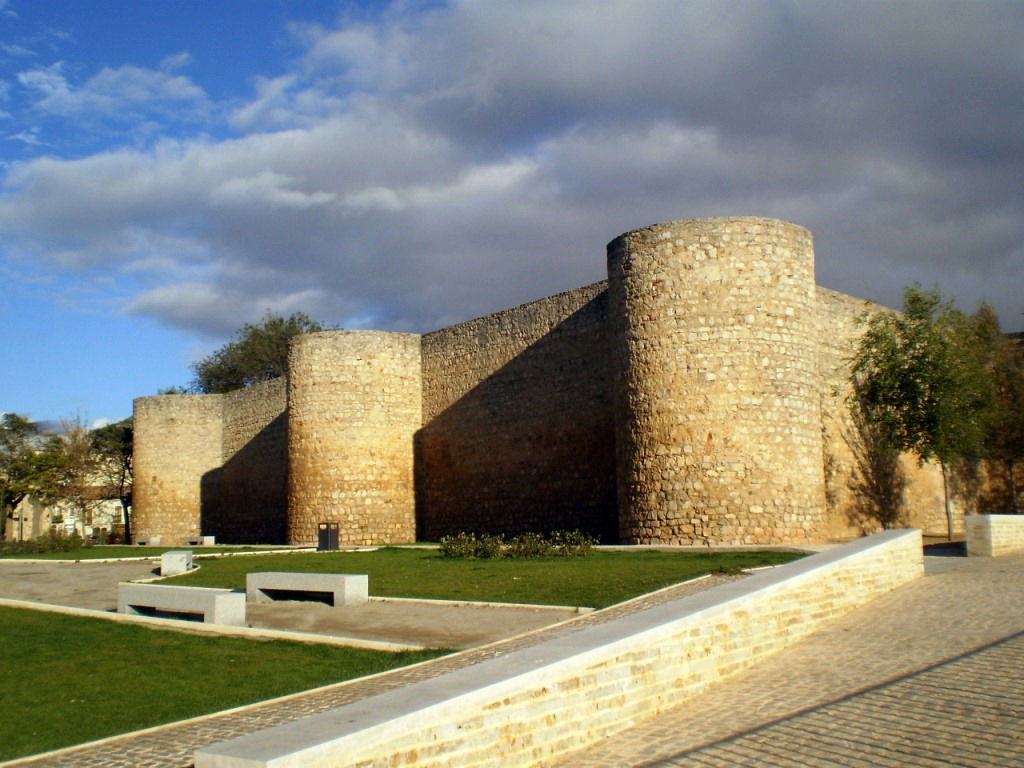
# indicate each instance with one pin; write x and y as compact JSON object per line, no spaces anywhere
{"x":929,"y":675}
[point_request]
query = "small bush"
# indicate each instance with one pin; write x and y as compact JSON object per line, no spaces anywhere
{"x":572,"y":543}
{"x":490,"y":547}
{"x":468,"y":546}
{"x":525,"y":545}
{"x":461,"y":545}
{"x":48,"y":542}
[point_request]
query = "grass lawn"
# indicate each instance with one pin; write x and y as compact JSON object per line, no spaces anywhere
{"x":597,"y":581}
{"x":110,"y":551}
{"x":66,"y":679}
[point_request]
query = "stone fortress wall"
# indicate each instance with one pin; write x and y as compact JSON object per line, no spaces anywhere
{"x":696,"y":397}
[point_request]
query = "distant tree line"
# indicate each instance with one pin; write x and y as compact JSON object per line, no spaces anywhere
{"x":77,"y":466}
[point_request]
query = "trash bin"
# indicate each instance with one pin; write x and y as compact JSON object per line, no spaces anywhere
{"x":328,"y":537}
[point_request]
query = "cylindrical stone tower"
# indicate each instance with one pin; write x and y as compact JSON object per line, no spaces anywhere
{"x":354,"y":405}
{"x":176,"y":455}
{"x":718,"y":423}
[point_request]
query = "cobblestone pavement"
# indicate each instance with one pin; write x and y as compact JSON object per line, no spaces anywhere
{"x":929,"y":675}
{"x":172,"y":746}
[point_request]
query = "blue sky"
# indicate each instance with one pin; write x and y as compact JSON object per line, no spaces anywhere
{"x":172,"y":169}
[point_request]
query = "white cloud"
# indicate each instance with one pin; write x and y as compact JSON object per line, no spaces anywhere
{"x":111,"y":91}
{"x":13,"y":49}
{"x":428,"y":166}
{"x":205,"y":307}
{"x":269,"y":189}
{"x":175,"y":61}
{"x":286,"y":102}
{"x":29,"y":137}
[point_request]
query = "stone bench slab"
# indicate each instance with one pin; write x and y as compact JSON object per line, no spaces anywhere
{"x":217,"y":606}
{"x":338,"y":588}
{"x":176,"y":561}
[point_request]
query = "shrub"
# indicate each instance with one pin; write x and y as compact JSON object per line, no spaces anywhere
{"x":572,"y":543}
{"x":524,"y":545}
{"x":48,"y":542}
{"x":489,"y":547}
{"x":461,"y":545}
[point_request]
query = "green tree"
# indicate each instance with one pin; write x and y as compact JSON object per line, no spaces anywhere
{"x":1005,"y":439}
{"x":920,"y":377}
{"x":113,"y":446}
{"x":19,"y":461}
{"x":70,"y":471}
{"x":257,"y":353}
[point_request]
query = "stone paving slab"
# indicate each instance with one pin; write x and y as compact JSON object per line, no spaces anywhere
{"x":78,"y":584}
{"x":929,"y":675}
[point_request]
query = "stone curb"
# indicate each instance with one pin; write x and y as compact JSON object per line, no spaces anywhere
{"x":198,"y":628}
{"x":156,"y":558}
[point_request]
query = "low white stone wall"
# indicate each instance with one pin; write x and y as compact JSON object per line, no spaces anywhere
{"x":547,"y":700}
{"x":994,"y":535}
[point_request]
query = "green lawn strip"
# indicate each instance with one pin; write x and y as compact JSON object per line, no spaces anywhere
{"x":603,"y":579}
{"x":112,"y":551}
{"x":68,"y":679}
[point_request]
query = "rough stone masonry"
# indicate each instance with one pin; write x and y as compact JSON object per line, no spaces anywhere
{"x":698,"y":396}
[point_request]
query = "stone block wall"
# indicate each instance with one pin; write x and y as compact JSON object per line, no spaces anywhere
{"x":718,"y":416}
{"x":177,"y":446}
{"x":531,"y":707}
{"x":517,"y":421}
{"x":837,"y":331}
{"x":354,"y":405}
{"x":252,"y":497}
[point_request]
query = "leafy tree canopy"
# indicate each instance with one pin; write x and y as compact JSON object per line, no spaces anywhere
{"x":19,"y":462}
{"x":921,"y":377}
{"x":257,"y":353}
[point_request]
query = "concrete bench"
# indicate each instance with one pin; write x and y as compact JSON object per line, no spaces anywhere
{"x":201,"y":541}
{"x":147,"y":541}
{"x":216,"y":606}
{"x":334,"y":588}
{"x":176,"y":561}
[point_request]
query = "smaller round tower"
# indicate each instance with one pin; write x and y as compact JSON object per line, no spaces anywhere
{"x":354,"y":405}
{"x":177,"y":455}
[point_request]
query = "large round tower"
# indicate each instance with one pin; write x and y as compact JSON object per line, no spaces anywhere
{"x":718,"y":424}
